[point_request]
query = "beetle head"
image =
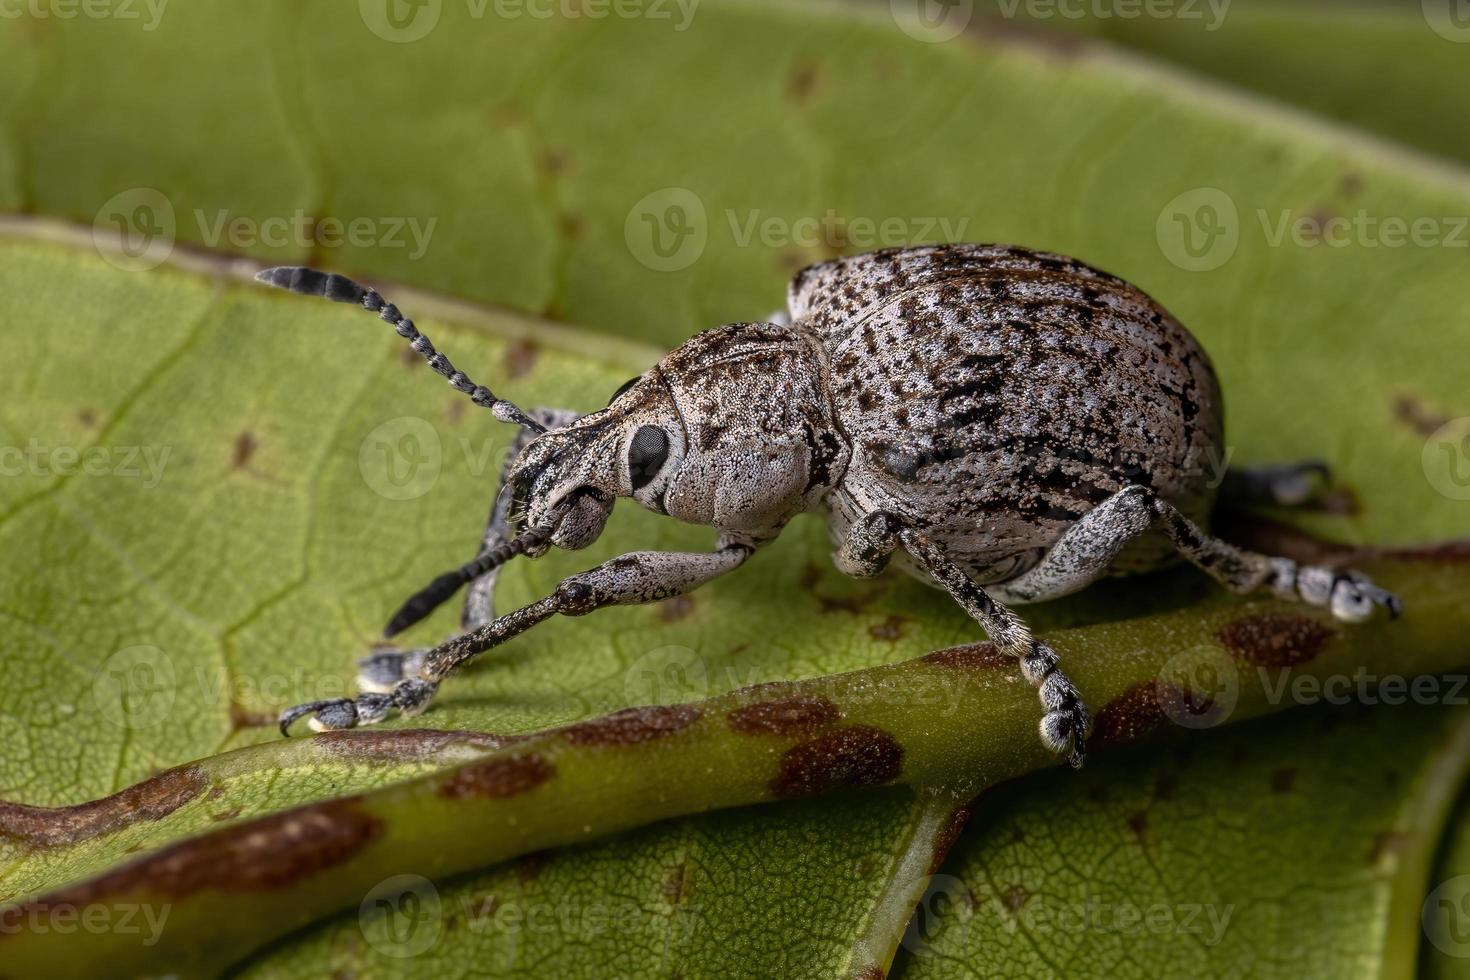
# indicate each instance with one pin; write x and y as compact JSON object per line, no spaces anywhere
{"x":567,"y":480}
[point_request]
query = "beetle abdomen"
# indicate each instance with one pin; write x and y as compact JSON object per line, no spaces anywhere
{"x":997,"y":394}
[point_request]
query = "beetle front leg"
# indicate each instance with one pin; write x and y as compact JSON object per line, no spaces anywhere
{"x":1064,"y":726}
{"x":632,"y":579}
{"x":380,"y":670}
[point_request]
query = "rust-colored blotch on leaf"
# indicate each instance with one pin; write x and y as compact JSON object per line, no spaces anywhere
{"x":498,"y":778}
{"x":857,"y":755}
{"x":1275,"y":639}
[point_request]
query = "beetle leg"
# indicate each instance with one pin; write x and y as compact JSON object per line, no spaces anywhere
{"x":632,"y":579}
{"x":1065,"y":724}
{"x":380,"y":670}
{"x":1085,"y":551}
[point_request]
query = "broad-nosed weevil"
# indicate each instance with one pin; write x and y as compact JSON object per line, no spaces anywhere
{"x":1008,"y":425}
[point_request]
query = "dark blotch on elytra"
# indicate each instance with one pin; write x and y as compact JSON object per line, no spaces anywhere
{"x":151,"y":799}
{"x":971,"y":656}
{"x":1274,"y":639}
{"x":857,"y":755}
{"x":632,"y":726}
{"x":498,"y":778}
{"x":783,"y":716}
{"x":259,"y":855}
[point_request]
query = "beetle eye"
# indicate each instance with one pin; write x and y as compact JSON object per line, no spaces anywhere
{"x":647,"y":454}
{"x":624,"y":387}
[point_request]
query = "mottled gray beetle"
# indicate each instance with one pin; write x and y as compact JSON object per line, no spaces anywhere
{"x":1010,"y":425}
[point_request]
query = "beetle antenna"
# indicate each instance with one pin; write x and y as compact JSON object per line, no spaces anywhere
{"x":437,"y":592}
{"x":309,"y":282}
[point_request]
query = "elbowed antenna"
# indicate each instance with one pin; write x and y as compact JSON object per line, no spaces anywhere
{"x":433,"y":595}
{"x":309,"y":282}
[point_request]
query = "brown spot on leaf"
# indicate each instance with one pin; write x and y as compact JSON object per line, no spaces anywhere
{"x":572,"y":225}
{"x":404,"y":744}
{"x":948,"y":834}
{"x":225,"y":815}
{"x":857,"y":755}
{"x":870,"y":972}
{"x":803,"y":82}
{"x":1015,"y":897}
{"x":521,"y":357}
{"x":1274,"y":639}
{"x":245,"y":445}
{"x":676,"y":884}
{"x":498,"y":778}
{"x":87,"y":418}
{"x":241,"y":717}
{"x":783,"y":716}
{"x":675,"y":608}
{"x":1130,"y":715}
{"x":553,"y":162}
{"x":891,"y":630}
{"x":1282,"y":780}
{"x":1138,"y":825}
{"x":152,"y":799}
{"x":260,"y":855}
{"x":633,"y":725}
{"x":971,"y":656}
{"x":529,"y":868}
{"x":1412,"y":412}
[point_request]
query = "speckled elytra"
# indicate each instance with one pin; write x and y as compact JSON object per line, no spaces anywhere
{"x":1009,"y":425}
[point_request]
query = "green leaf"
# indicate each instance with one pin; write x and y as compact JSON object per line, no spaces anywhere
{"x":264,"y":559}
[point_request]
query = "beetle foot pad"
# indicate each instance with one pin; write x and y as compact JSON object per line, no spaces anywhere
{"x":1351,"y":596}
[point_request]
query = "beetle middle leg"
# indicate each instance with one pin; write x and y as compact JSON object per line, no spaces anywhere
{"x":632,"y":579}
{"x":1065,"y":724}
{"x":1289,"y":485}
